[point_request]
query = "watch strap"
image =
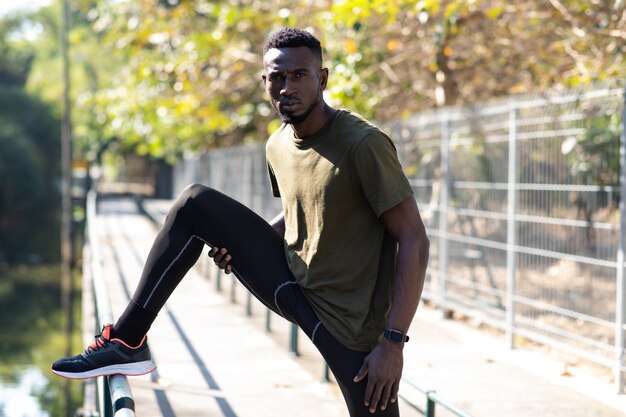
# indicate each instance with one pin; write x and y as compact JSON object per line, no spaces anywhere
{"x":395,"y":336}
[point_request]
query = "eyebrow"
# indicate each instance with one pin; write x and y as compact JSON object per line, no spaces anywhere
{"x":278,"y":71}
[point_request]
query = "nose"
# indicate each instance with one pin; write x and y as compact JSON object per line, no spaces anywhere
{"x":287,"y":88}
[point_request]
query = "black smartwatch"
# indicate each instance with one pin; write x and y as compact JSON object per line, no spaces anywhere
{"x":395,"y":336}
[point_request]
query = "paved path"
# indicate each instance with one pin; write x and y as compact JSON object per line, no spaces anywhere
{"x":214,"y":360}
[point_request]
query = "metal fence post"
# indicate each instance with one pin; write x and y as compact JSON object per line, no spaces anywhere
{"x":249,"y":304}
{"x":326,"y":373}
{"x":218,"y":281}
{"x":293,"y":348}
{"x":443,"y":212}
{"x":430,"y":405}
{"x":511,"y":227}
{"x":268,"y":324}
{"x":620,"y":301}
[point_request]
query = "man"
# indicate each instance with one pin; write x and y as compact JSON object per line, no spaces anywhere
{"x":345,"y":260}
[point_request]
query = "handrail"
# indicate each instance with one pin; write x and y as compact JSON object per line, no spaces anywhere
{"x":432,"y":398}
{"x":115,"y":397}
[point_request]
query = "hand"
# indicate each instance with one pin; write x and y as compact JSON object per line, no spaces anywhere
{"x":221,"y":258}
{"x":383,"y":368}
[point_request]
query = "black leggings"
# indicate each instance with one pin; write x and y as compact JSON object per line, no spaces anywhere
{"x":202,"y":216}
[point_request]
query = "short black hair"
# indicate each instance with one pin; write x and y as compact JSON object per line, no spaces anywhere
{"x":294,"y":38}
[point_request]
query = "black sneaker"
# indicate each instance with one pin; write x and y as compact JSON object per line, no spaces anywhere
{"x":106,"y":356}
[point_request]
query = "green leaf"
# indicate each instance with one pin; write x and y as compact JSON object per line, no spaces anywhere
{"x":495,"y":12}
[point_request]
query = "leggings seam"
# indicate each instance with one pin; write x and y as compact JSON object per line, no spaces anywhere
{"x":145,"y":304}
{"x":280,"y":287}
{"x":234,"y":271}
{"x":315,"y":331}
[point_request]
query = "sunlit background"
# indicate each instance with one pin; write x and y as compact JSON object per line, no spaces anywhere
{"x":154,"y":81}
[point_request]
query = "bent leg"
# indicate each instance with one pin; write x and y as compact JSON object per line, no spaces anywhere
{"x":199,"y":216}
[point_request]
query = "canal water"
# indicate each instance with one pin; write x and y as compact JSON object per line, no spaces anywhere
{"x":21,"y":397}
{"x":31,"y":338}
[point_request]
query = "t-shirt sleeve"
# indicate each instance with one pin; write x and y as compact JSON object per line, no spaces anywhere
{"x":379,"y":173}
{"x":273,"y":182}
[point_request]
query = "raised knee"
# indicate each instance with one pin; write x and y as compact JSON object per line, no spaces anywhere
{"x":190,"y":194}
{"x":192,"y":191}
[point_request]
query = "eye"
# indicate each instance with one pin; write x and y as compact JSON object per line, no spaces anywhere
{"x":300,"y":74}
{"x":274,"y":77}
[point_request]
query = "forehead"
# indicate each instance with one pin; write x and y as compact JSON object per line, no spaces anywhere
{"x":285,"y":59}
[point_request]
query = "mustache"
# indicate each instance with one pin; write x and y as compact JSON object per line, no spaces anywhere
{"x":288,"y":102}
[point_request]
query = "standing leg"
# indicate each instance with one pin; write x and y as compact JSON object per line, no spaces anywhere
{"x":345,"y":363}
{"x":342,"y":361}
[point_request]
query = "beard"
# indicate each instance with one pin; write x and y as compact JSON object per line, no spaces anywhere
{"x":295,"y":119}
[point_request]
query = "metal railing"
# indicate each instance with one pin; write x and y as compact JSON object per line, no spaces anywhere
{"x":114,"y":397}
{"x":432,"y":399}
{"x":524,"y":203}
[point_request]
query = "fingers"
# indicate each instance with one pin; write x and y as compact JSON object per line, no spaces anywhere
{"x":383,"y":367}
{"x":362,"y":372}
{"x":372,"y":394}
{"x":379,"y":393}
{"x":380,"y":390}
{"x":221,"y":258}
{"x":372,"y":390}
{"x":385,"y":393}
{"x":377,"y":397}
{"x":393,"y":396}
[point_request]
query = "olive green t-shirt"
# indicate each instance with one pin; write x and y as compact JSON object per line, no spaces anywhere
{"x":334,"y":186}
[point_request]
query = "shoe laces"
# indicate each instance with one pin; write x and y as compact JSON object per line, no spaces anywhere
{"x":99,"y":342}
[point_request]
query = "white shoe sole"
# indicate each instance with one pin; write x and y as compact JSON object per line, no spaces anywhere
{"x":130,"y":369}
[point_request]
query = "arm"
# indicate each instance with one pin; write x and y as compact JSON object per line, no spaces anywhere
{"x":384,"y":363}
{"x":222,"y":258}
{"x":405,"y":225}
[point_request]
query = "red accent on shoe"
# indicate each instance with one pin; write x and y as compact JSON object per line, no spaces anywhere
{"x":106,"y":335}
{"x":127,"y":345}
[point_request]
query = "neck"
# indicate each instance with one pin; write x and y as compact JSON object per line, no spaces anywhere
{"x":316,"y":120}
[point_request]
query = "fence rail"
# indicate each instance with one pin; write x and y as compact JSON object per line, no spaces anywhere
{"x":524,"y":202}
{"x":431,"y":401}
{"x":114,"y":397}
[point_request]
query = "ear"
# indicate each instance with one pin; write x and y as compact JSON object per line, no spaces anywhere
{"x":323,"y":78}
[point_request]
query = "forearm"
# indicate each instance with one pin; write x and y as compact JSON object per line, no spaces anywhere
{"x":409,"y":280}
{"x":278,"y":223}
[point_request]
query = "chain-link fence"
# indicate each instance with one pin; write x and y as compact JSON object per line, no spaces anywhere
{"x":523,"y":206}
